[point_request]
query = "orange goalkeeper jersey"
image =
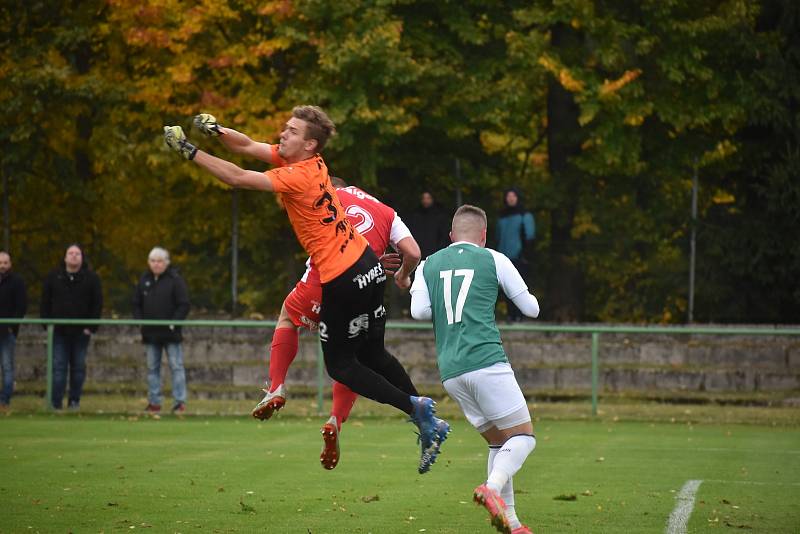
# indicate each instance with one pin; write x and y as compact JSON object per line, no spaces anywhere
{"x":316,"y":215}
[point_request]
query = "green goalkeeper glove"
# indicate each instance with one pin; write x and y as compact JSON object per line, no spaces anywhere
{"x":176,"y":140}
{"x":207,"y":124}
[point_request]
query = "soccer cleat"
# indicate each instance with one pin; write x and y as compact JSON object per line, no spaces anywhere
{"x":494,"y":504}
{"x":271,"y":403}
{"x":429,"y":455}
{"x":432,"y":431}
{"x":522,"y":530}
{"x":329,"y":457}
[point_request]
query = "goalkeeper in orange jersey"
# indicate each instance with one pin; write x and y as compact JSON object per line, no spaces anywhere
{"x":352,"y":318}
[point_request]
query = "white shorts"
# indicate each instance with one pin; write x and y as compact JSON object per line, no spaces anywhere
{"x":490,"y":397}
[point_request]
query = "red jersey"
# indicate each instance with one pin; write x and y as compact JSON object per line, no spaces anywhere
{"x":370,"y":217}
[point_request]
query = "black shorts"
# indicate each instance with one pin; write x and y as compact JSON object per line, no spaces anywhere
{"x":353,"y":319}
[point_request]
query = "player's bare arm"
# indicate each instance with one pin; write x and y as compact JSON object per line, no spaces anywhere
{"x":225,"y":171}
{"x":235,"y":141}
{"x":409,"y":249}
{"x":232,"y":174}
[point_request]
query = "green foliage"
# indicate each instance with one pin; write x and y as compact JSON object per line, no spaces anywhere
{"x":645,"y":92}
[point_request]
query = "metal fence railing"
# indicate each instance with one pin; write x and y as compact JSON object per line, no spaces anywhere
{"x":594,"y":330}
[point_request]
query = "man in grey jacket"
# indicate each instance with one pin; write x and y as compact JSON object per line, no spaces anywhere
{"x":162,"y":294}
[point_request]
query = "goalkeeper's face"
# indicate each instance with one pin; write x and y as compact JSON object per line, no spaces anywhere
{"x":294,"y":146}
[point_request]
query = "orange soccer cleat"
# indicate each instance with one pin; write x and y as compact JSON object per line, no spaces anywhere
{"x":494,"y":504}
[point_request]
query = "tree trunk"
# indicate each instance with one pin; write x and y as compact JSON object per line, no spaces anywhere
{"x":565,"y":291}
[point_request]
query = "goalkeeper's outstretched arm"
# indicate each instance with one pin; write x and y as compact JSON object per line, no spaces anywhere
{"x":232,"y":174}
{"x":240,"y":143}
{"x":234,"y":141}
{"x":225,"y":171}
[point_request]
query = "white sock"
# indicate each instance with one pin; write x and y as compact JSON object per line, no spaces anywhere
{"x":509,"y":459}
{"x":493,"y":450}
{"x":507,"y":494}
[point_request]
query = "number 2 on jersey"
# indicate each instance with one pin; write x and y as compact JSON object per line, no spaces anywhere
{"x":447,"y":276}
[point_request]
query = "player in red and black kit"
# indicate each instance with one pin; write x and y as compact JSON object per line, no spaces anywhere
{"x":382,"y":227}
{"x":352,"y":319}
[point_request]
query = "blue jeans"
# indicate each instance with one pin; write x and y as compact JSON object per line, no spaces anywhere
{"x":69,"y":355}
{"x":7,"y":343}
{"x":175,"y":359}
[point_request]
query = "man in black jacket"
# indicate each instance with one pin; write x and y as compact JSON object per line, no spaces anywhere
{"x":162,"y":294}
{"x":13,"y":303}
{"x":429,"y":225}
{"x":71,"y":291}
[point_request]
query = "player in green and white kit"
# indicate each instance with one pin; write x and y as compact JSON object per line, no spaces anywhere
{"x":457,"y":287}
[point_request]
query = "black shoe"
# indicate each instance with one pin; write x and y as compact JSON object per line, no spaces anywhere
{"x":179,"y":407}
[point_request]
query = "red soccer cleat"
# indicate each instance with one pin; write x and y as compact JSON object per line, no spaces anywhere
{"x":522,"y":530}
{"x":271,"y":403}
{"x":329,"y":457}
{"x":495,"y":505}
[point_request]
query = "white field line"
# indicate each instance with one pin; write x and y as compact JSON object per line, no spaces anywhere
{"x":712,"y":449}
{"x":683,"y":509}
{"x":751,"y":482}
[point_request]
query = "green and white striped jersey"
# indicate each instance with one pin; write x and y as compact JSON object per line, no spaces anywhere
{"x":461,"y":284}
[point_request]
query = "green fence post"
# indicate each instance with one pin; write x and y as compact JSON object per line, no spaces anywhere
{"x":595,"y":369}
{"x":320,"y":376}
{"x":48,"y":403}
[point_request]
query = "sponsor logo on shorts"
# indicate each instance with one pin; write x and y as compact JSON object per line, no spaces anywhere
{"x":376,"y":274}
{"x":311,"y":325}
{"x":323,"y":331}
{"x":379,"y":312}
{"x":358,"y":325}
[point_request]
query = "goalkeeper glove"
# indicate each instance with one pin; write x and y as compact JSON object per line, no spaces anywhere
{"x":176,"y":140}
{"x":207,"y":124}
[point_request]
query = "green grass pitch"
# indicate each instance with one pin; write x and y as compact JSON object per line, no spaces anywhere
{"x":113,"y":473}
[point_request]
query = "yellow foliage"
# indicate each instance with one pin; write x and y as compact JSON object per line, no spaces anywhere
{"x":723,"y":150}
{"x":569,"y":82}
{"x":181,"y":73}
{"x":634,"y":119}
{"x":610,"y":87}
{"x":562,"y":74}
{"x":493,"y":142}
{"x":723,"y":197}
{"x":582,"y":224}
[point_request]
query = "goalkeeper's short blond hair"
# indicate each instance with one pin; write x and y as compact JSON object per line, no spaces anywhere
{"x":318,"y":125}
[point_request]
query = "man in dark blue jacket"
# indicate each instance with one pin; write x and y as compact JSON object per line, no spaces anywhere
{"x":162,"y":294}
{"x":71,"y":291}
{"x":13,"y":303}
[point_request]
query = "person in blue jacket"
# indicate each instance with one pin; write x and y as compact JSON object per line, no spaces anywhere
{"x":516,"y":227}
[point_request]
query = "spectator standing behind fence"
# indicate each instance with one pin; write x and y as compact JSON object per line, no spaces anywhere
{"x":162,"y":294}
{"x":71,"y":291}
{"x":429,"y":225}
{"x":13,"y":303}
{"x":515,"y":228}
